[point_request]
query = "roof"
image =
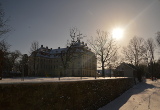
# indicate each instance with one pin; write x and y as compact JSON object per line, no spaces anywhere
{"x":128,"y":65}
{"x":54,"y":53}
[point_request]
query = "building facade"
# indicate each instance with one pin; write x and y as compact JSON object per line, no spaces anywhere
{"x":126,"y":70}
{"x":79,"y":60}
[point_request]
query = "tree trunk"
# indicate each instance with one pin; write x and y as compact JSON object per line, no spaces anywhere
{"x":103,"y":71}
{"x":152,"y":70}
{"x":65,"y":72}
{"x":34,"y":64}
{"x":1,"y":63}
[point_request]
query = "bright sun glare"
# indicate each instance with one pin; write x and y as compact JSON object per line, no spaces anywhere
{"x":117,"y":33}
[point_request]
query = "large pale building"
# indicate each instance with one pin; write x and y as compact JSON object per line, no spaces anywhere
{"x":48,"y":62}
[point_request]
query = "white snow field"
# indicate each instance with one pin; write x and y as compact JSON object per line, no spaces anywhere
{"x":49,"y":79}
{"x":143,"y":96}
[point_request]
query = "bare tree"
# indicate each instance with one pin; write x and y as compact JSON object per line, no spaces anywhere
{"x":158,"y":38}
{"x":70,"y":53}
{"x":1,"y":63}
{"x":104,"y":47}
{"x":11,"y":60}
{"x":134,"y":52}
{"x":3,"y":45}
{"x":116,"y":60}
{"x":128,"y":56}
{"x":150,"y":49}
{"x":22,"y":65}
{"x":33,"y":51}
{"x":3,"y":23}
{"x":13,"y":57}
{"x":34,"y":46}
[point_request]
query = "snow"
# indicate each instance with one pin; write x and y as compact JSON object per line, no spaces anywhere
{"x":143,"y":96}
{"x":49,"y":79}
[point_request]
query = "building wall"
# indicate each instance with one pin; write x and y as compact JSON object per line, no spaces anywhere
{"x":125,"y":70}
{"x":82,"y":65}
{"x":128,"y":72}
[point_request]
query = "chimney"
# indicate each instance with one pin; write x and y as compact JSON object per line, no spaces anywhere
{"x":58,"y":47}
{"x":51,"y":48}
{"x":41,"y":45}
{"x":46,"y":47}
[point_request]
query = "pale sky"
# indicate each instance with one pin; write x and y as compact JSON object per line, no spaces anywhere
{"x":49,"y":21}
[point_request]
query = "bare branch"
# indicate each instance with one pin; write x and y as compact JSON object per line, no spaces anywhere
{"x":3,"y":23}
{"x":158,"y":38}
{"x":104,"y":47}
{"x":34,"y":46}
{"x":135,"y":51}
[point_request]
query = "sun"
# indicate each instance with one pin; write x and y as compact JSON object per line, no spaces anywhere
{"x":117,"y":33}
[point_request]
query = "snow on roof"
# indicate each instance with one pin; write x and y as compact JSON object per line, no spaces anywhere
{"x":57,"y":50}
{"x":54,"y":53}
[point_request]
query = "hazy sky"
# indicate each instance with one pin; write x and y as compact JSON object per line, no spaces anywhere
{"x":49,"y":21}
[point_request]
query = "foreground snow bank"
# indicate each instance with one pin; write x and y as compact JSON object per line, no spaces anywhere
{"x":143,"y":96}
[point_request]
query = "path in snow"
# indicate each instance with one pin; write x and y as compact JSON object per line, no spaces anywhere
{"x":143,"y":96}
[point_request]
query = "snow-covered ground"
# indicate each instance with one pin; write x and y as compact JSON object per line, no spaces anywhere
{"x":47,"y":79}
{"x":143,"y":96}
